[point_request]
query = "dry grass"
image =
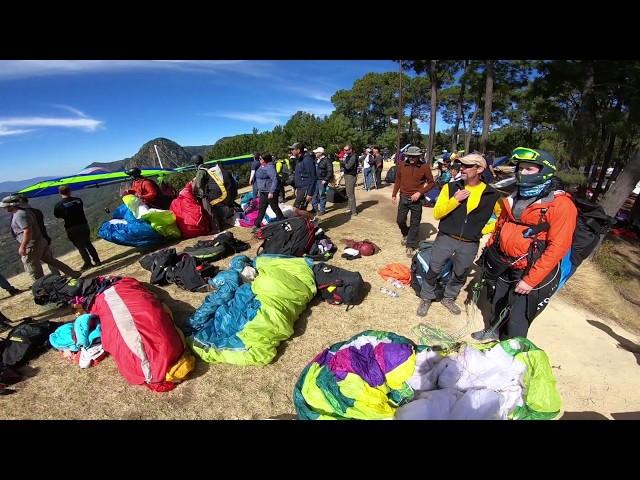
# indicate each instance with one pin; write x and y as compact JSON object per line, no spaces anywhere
{"x":61,"y":390}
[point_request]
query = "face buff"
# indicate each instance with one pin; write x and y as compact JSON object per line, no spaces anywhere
{"x":528,"y":192}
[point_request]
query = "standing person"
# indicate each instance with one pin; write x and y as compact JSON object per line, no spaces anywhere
{"x":378,"y":163}
{"x":146,"y":189}
{"x":367,"y":169}
{"x":71,"y":210}
{"x":533,"y":233}
{"x":324,"y":172}
{"x":283,"y":169}
{"x":217,"y":190}
{"x":267,"y":186}
{"x":4,"y":283}
{"x":350,"y":164}
{"x":34,"y":248}
{"x":305,"y":178}
{"x":255,"y":164}
{"x":413,"y":180}
{"x":463,"y":209}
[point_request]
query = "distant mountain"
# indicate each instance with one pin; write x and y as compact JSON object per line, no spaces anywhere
{"x":15,"y":185}
{"x":172,"y":155}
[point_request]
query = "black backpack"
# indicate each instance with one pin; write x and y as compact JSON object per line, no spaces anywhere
{"x":54,"y":288}
{"x":25,"y":341}
{"x":223,"y":245}
{"x":420,"y":267}
{"x":336,"y":195}
{"x":338,"y":286}
{"x":591,"y":224}
{"x":292,"y":236}
{"x":391,"y":175}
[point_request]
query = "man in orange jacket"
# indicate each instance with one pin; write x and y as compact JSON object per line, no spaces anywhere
{"x":144,"y":188}
{"x":522,"y":258}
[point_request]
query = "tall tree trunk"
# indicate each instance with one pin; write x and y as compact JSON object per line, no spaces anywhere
{"x":459,"y":112}
{"x":605,"y":167}
{"x":488,"y":103}
{"x":627,"y":180}
{"x":472,"y":124}
{"x":433,"y":74}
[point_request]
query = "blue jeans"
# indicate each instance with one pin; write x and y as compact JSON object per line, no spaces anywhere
{"x":319,"y":200}
{"x":369,"y":180}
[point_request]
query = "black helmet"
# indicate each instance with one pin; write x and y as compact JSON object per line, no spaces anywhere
{"x":197,"y":159}
{"x":134,"y":172}
{"x":539,"y":157}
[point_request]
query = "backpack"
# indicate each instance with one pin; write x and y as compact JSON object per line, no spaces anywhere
{"x":25,"y":341}
{"x":292,"y":236}
{"x":338,"y":286}
{"x":592,"y":223}
{"x":222,"y":245}
{"x":391,"y":175}
{"x":336,"y":195}
{"x":54,"y":288}
{"x":420,"y":267}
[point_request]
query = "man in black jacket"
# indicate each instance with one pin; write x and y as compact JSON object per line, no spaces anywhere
{"x":350,"y":163}
{"x":305,"y":178}
{"x":378,"y":162}
{"x":71,"y":210}
{"x":324,"y":171}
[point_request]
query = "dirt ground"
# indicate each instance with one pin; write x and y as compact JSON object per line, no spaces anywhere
{"x":595,"y":360}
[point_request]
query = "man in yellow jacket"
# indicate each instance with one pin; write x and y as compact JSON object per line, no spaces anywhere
{"x":463,"y":208}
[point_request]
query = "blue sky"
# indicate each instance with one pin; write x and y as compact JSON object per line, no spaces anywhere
{"x":58,"y":116}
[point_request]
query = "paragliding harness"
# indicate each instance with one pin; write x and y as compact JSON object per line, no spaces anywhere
{"x":292,"y":236}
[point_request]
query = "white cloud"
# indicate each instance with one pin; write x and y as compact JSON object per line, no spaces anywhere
{"x":15,"y":69}
{"x":11,"y":126}
{"x":70,"y":109}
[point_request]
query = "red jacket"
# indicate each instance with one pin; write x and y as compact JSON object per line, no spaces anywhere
{"x":147,"y":190}
{"x":561,"y":215}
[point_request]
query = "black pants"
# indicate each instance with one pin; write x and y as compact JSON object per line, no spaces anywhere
{"x":411,"y":232}
{"x":521,"y":309}
{"x":378,"y":174}
{"x":271,"y":202}
{"x":80,"y":236}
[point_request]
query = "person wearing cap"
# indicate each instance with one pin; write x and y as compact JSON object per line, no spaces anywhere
{"x":324,"y":172}
{"x":71,"y":210}
{"x":350,"y":175}
{"x":4,"y":283}
{"x":367,"y":170}
{"x":146,"y":189}
{"x":463,"y":208}
{"x":305,"y":178}
{"x":533,"y":233}
{"x":33,"y":246}
{"x":413,"y":180}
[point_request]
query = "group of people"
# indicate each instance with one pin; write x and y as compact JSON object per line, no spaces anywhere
{"x":464,"y":206}
{"x":533,"y":232}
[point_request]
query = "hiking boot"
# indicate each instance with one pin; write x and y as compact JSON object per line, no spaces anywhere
{"x":410,"y":252}
{"x":487,"y":335}
{"x":15,"y":291}
{"x":450,"y":305}
{"x":86,"y":266}
{"x":423,"y":308}
{"x":97,"y":264}
{"x":403,"y":242}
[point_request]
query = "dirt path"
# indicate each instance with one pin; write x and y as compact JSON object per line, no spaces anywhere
{"x":597,"y":378}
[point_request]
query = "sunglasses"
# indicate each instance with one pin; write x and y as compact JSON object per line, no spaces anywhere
{"x":463,"y":166}
{"x":523,"y":153}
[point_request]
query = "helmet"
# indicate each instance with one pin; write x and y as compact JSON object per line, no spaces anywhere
{"x":197,"y":159}
{"x":539,"y":157}
{"x":134,"y":172}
